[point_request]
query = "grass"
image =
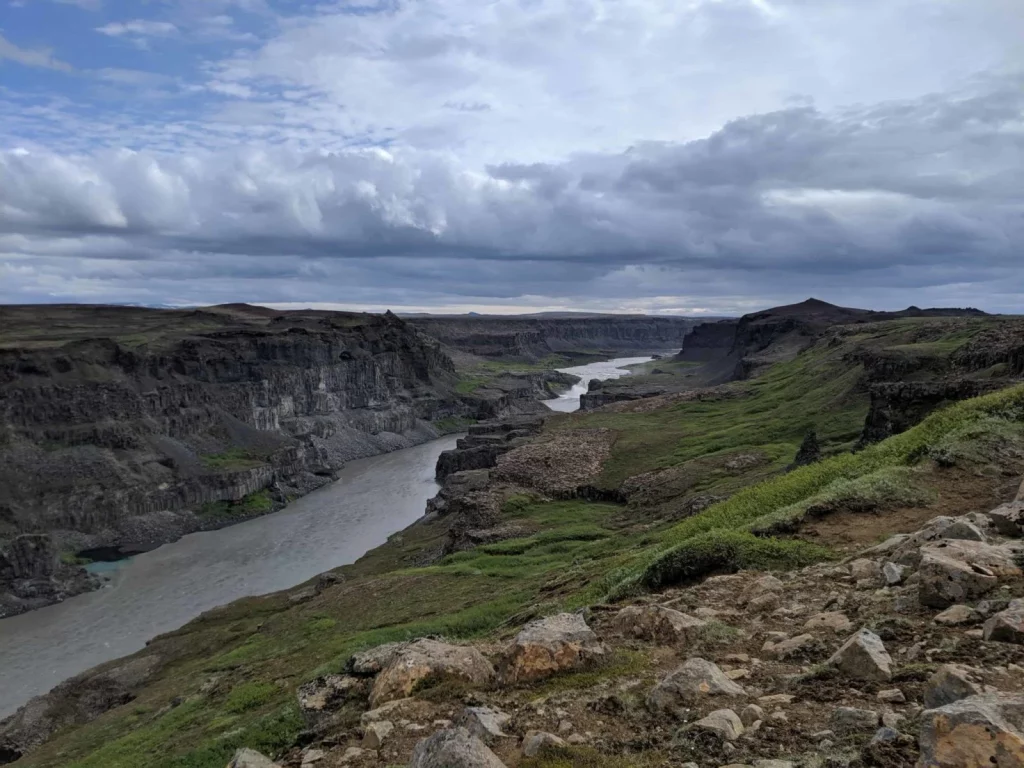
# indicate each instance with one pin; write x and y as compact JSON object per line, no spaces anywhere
{"x":231,"y":460}
{"x":454,"y":424}
{"x":72,"y":558}
{"x":258,"y":503}
{"x":720,"y":532}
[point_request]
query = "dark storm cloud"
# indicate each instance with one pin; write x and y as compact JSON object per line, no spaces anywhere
{"x":919,"y":193}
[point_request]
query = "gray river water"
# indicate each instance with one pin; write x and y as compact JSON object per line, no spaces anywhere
{"x":161,"y":590}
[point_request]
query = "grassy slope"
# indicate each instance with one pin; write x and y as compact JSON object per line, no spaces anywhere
{"x":233,"y":672}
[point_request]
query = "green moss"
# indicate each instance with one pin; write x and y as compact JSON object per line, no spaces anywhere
{"x":454,"y":424}
{"x":728,"y":551}
{"x":249,"y":696}
{"x":231,"y":460}
{"x":257,"y":503}
{"x":72,"y":558}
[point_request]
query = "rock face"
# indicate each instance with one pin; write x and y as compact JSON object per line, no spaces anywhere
{"x":555,"y":644}
{"x":454,"y":748}
{"x":431,"y":660}
{"x":951,"y":683}
{"x":31,"y":575}
{"x":130,"y":429}
{"x":978,"y":732}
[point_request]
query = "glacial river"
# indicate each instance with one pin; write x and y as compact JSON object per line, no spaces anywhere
{"x":161,"y":590}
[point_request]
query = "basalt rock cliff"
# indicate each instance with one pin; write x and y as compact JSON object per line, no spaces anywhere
{"x":123,"y":428}
{"x":528,"y":338}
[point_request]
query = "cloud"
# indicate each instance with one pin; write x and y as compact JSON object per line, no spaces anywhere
{"x":915,"y":198}
{"x":140,"y":27}
{"x":31,"y":57}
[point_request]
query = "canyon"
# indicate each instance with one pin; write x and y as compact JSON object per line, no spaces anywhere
{"x":123,"y":428}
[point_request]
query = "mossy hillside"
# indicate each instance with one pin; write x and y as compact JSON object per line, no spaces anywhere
{"x":821,"y":389}
{"x":872,"y":474}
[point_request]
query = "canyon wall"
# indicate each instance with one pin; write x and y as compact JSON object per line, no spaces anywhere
{"x":528,"y":338}
{"x":123,"y":428}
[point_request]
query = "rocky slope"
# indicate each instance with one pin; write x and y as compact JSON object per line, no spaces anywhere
{"x":903,"y":654}
{"x":123,"y":428}
{"x":530,"y":338}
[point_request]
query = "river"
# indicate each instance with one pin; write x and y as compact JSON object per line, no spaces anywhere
{"x":161,"y":590}
{"x":607,"y":369}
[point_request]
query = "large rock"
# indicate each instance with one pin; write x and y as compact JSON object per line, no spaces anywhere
{"x":845,"y":720}
{"x":695,"y":680}
{"x":864,"y":657}
{"x":722,"y":723}
{"x":658,"y":624}
{"x":957,"y":571}
{"x":979,"y":732}
{"x":534,"y":742}
{"x":327,"y":693}
{"x":1007,"y":626}
{"x":832,"y":620}
{"x":373,"y":660}
{"x":453,"y":748}
{"x":248,"y":758}
{"x":938,"y":529}
{"x":950,"y":683}
{"x":551,"y":645}
{"x":1009,"y":519}
{"x":429,"y":660}
{"x":485,"y":723}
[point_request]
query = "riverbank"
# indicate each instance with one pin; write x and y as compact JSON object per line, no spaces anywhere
{"x":162,"y":590}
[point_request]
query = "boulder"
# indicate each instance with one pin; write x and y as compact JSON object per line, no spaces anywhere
{"x":372,"y":661}
{"x":327,"y":693}
{"x":846,"y":720}
{"x":657,"y":624}
{"x":1009,"y":519}
{"x":863,"y":569}
{"x":248,"y":758}
{"x":453,"y":748}
{"x":535,"y":742}
{"x":545,"y":647}
{"x":958,"y":615}
{"x":485,"y":723}
{"x":894,"y":574}
{"x":958,"y":571}
{"x":764,"y":603}
{"x":864,"y":657}
{"x":763,"y":584}
{"x":891,"y":696}
{"x":751,"y":714}
{"x":789,"y":648}
{"x":884,"y":735}
{"x":1007,"y":626}
{"x":432,"y":660}
{"x":950,"y":683}
{"x":937,"y":530}
{"x":833,"y":620}
{"x":694,"y":680}
{"x":376,"y":733}
{"x":724,"y":724}
{"x":978,"y":732}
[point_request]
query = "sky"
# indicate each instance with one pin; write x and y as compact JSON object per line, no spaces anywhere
{"x":668,"y":156}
